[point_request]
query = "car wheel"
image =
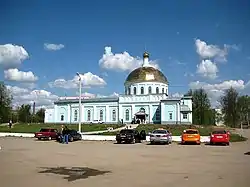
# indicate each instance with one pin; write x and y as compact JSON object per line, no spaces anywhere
{"x":50,"y":138}
{"x":71,"y":139}
{"x":227,"y":144}
{"x":133,"y":141}
{"x":118,"y":142}
{"x":39,"y":138}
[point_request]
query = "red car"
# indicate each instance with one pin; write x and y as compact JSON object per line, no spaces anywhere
{"x":220,"y":136}
{"x":47,"y":133}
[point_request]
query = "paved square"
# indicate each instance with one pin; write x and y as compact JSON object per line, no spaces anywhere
{"x":27,"y":162}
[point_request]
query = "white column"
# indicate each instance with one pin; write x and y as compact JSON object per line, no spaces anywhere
{"x":69,"y":113}
{"x":107,"y":114}
{"x":94,"y":113}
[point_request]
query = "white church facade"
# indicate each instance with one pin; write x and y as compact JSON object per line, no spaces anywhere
{"x":146,"y":100}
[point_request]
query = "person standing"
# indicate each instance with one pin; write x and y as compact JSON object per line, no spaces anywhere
{"x":66,"y":135}
{"x":10,"y":124}
{"x":61,"y":133}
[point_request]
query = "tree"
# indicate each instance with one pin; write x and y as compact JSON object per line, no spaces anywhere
{"x":202,"y":112}
{"x":243,"y":106}
{"x":5,"y":103}
{"x":24,"y":114}
{"x":230,"y":108}
{"x":40,"y":115}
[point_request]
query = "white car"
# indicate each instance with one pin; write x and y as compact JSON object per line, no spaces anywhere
{"x":96,"y":122}
{"x":160,"y":136}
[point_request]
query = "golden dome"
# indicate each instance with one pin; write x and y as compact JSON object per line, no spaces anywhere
{"x":146,"y":74}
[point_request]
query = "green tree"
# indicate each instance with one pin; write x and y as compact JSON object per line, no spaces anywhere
{"x":202,"y":112}
{"x":40,"y":115}
{"x":243,"y":106}
{"x":5,"y":103}
{"x":230,"y":108}
{"x":24,"y":114}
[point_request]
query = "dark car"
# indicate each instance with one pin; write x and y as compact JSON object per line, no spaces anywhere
{"x":73,"y":135}
{"x":130,"y":136}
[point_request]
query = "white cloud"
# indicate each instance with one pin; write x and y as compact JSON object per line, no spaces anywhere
{"x":88,"y":80}
{"x":207,"y":69}
{"x":206,"y":51}
{"x":53,"y":47}
{"x":121,"y":61}
{"x":19,"y":76}
{"x":215,"y":91}
{"x":42,"y":98}
{"x":177,"y":95}
{"x":12,"y":56}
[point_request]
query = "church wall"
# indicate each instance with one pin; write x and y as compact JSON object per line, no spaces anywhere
{"x":49,"y":116}
{"x":69,"y":112}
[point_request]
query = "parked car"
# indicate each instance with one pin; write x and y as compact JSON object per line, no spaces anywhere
{"x":73,"y":135}
{"x":96,"y":122}
{"x":190,"y":136}
{"x":46,"y":133}
{"x":130,"y":136}
{"x":160,"y":136}
{"x":220,"y":137}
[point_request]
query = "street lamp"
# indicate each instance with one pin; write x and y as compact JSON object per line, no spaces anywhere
{"x":80,"y":101}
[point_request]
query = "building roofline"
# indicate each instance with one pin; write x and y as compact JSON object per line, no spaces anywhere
{"x":101,"y":99}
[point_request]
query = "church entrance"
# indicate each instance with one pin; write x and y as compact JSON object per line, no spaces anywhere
{"x":141,"y":116}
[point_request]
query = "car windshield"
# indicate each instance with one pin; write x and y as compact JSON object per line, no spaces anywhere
{"x":191,"y":132}
{"x":126,"y":131}
{"x":159,"y":132}
{"x":219,"y":132}
{"x":45,"y":130}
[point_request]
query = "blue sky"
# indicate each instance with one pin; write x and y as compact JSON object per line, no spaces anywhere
{"x":172,"y":32}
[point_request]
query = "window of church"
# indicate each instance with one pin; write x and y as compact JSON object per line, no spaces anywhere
{"x":62,"y":117}
{"x":134,"y":90}
{"x":158,"y":114}
{"x":101,"y":115}
{"x":113,"y":115}
{"x":170,"y":116}
{"x":157,"y":90}
{"x":126,"y":92}
{"x":162,"y":90}
{"x":127,"y":115}
{"x":88,"y":115}
{"x":129,"y":91}
{"x":75,"y":115}
{"x":185,"y":116}
{"x":149,"y":90}
{"x":142,"y":90}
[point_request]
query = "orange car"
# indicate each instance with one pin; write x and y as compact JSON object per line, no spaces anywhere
{"x":190,"y":136}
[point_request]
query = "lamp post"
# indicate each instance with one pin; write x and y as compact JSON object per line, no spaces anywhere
{"x":80,"y":101}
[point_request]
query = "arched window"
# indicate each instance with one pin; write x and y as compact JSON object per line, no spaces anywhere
{"x":62,"y":117}
{"x":162,"y":90}
{"x":149,"y":90}
{"x":127,"y":115}
{"x":75,"y":115}
{"x":88,"y":115}
{"x":158,"y":114}
{"x":134,"y":90}
{"x":126,"y":91}
{"x":129,"y":91}
{"x":142,"y":90}
{"x":101,"y":115}
{"x":157,"y":90}
{"x":113,"y":115}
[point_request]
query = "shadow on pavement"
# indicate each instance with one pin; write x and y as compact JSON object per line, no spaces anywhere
{"x":73,"y":173}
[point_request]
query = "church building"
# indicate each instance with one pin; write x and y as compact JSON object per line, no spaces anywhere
{"x":145,"y":100}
